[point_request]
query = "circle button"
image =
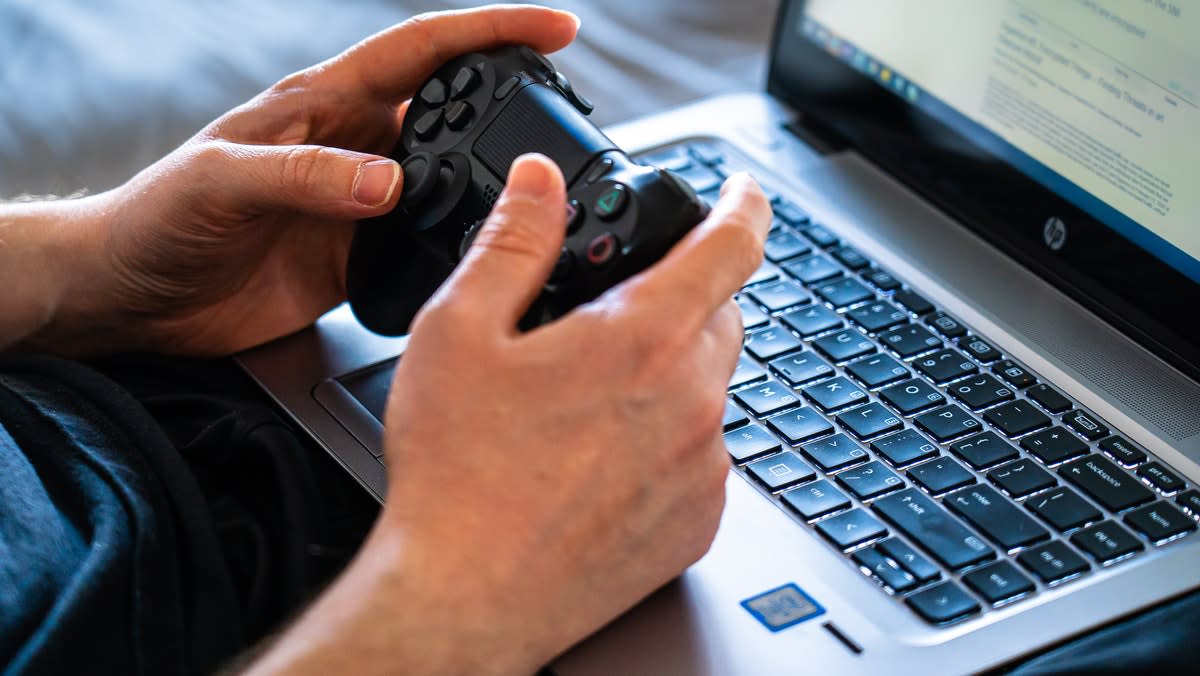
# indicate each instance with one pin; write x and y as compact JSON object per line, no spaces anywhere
{"x":602,"y":249}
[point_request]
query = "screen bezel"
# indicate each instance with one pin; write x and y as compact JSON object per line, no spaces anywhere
{"x":1133,"y":290}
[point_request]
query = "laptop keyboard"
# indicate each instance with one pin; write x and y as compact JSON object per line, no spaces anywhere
{"x":953,"y":476}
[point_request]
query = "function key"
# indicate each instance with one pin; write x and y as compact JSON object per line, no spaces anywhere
{"x":801,"y":368}
{"x":984,"y":450}
{"x":921,"y":568}
{"x":1052,"y":562}
{"x":851,"y":258}
{"x":834,"y":453}
{"x":1105,"y":483}
{"x":1064,"y":509}
{"x":913,"y":302}
{"x":869,"y":421}
{"x":996,"y":516}
{"x":912,"y":396}
{"x":844,"y":345}
{"x":940,"y":475}
{"x":734,"y":417}
{"x":851,"y":528}
{"x":750,"y":442}
{"x":781,"y":471}
{"x":747,"y":371}
{"x":820,"y":236}
{"x":1088,"y":427}
{"x":799,"y":425}
{"x":1054,"y":445}
{"x":945,"y":365}
{"x":507,"y":88}
{"x":947,"y":422}
{"x":812,"y":269}
{"x":944,"y":602}
{"x":877,"y":316}
{"x":843,"y":292}
{"x":1124,"y":452}
{"x":834,"y":394}
{"x":752,"y":316}
{"x":980,"y":391}
{"x":766,"y":398}
{"x":1016,"y":418}
{"x":1048,"y":398}
{"x":1106,"y":541}
{"x":785,"y":244}
{"x":770,"y":343}
{"x":884,"y":569}
{"x":946,"y":325}
{"x":1014,"y":374}
{"x":877,"y":370}
{"x":998,"y":582}
{"x":1021,"y":478}
{"x":816,"y":499}
{"x":1190,"y":502}
{"x":1160,"y":521}
{"x":979,"y":349}
{"x":812,"y":320}
{"x":1161,"y":478}
{"x":881,"y":280}
{"x":791,"y":213}
{"x":776,"y":296}
{"x":904,"y":448}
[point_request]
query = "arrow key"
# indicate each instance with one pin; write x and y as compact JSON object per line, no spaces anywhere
{"x":943,"y":602}
{"x":851,"y":528}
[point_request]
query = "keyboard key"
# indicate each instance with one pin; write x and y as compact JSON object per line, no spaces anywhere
{"x":812,"y":269}
{"x":913,"y":302}
{"x":747,"y":371}
{"x":979,"y":349}
{"x":1161,"y":478}
{"x":750,"y":442}
{"x":881,"y":280}
{"x":1124,"y":452}
{"x":1105,"y":483}
{"x":851,"y":528}
{"x":799,"y":425}
{"x":877,"y":316}
{"x":766,"y":272}
{"x":834,"y":453}
{"x":933,"y":528}
{"x":945,"y":365}
{"x":946,"y":325}
{"x":790,"y":212}
{"x":1016,"y":418}
{"x":1048,"y":398}
{"x":940,"y":476}
{"x":844,"y":345}
{"x":1064,"y":509}
{"x":844,"y":292}
{"x":734,"y":417}
{"x":943,"y":602}
{"x":911,"y":396}
{"x":870,"y":480}
{"x":1160,"y":521}
{"x":834,"y":394}
{"x":820,"y":236}
{"x":984,"y":450}
{"x":1054,"y":445}
{"x":904,"y":448}
{"x":781,"y":471}
{"x":783,"y":245}
{"x":922,"y":569}
{"x":981,"y":391}
{"x":1190,"y":501}
{"x":947,"y":422}
{"x":851,"y":258}
{"x":877,"y":370}
{"x":1014,"y":374}
{"x":1052,"y":562}
{"x":1021,"y":478}
{"x":1088,"y":427}
{"x":771,"y":342}
{"x":752,"y":315}
{"x":1106,"y":541}
{"x":884,"y":569}
{"x":910,"y":340}
{"x":869,"y":421}
{"x":701,"y":178}
{"x":999,"y":581}
{"x":766,"y":398}
{"x":779,"y":295}
{"x":996,"y":516}
{"x":801,"y":367}
{"x":811,"y":320}
{"x":816,"y":499}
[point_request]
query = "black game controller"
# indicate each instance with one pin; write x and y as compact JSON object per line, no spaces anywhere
{"x":461,"y":133}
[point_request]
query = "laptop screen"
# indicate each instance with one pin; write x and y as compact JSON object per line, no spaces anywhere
{"x":1087,"y":111}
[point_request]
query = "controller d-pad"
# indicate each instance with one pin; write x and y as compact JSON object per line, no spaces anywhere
{"x":434,"y":93}
{"x":464,"y":83}
{"x":602,"y":249}
{"x":609,"y":205}
{"x":459,"y":115}
{"x":427,"y":126}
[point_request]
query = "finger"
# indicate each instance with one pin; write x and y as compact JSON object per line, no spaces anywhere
{"x":713,"y":261}
{"x":511,"y":257}
{"x":327,"y":182}
{"x":726,"y":332}
{"x":392,"y":64}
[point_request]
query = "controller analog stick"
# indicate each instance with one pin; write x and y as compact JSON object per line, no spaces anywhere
{"x":421,"y":172}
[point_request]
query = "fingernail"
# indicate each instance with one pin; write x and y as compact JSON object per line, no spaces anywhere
{"x":529,"y":177}
{"x":375,"y":182}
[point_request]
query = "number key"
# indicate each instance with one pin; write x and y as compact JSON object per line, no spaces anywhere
{"x":945,"y":365}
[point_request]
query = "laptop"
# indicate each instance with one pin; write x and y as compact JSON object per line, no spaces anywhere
{"x":966,"y":423}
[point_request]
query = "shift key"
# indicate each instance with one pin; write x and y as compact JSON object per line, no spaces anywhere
{"x":933,"y":528}
{"x":1106,"y":482}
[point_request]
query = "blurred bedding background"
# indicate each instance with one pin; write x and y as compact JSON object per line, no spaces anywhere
{"x":91,"y":91}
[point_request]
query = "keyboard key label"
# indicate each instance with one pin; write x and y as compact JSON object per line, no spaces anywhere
{"x":782,"y":607}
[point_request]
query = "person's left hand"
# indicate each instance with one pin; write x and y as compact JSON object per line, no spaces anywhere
{"x":241,"y":234}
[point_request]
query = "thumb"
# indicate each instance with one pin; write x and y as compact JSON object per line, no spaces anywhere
{"x":516,"y":247}
{"x":326,"y":182}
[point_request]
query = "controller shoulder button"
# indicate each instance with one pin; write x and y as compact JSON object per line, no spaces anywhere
{"x":544,"y":63}
{"x":428,"y":124}
{"x":507,"y":87}
{"x":434,"y":93}
{"x":602,"y":249}
{"x":611,"y":203}
{"x":600,"y":170}
{"x":459,"y":115}
{"x":464,"y":83}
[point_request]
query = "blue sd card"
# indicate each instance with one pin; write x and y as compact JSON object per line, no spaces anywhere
{"x":782,"y":607}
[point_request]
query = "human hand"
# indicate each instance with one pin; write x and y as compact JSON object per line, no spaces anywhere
{"x":541,"y":483}
{"x":241,"y":234}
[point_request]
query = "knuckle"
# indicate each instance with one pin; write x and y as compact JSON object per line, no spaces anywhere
{"x":302,"y":165}
{"x":509,"y":232}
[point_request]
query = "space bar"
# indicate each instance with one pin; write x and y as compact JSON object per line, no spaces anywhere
{"x":933,"y":528}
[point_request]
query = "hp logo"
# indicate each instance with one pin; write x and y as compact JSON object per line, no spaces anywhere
{"x":1055,"y":233}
